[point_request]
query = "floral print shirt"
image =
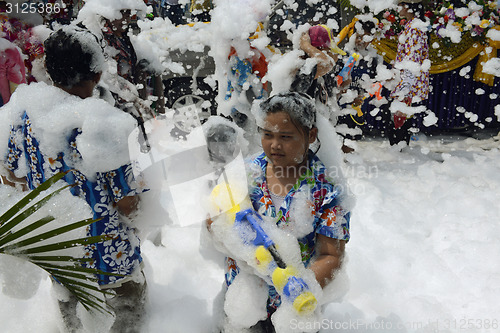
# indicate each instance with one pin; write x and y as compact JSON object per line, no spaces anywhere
{"x":412,"y":47}
{"x":121,"y":254}
{"x":327,"y":214}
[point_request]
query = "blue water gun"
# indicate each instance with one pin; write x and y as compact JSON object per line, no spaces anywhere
{"x":347,"y":69}
{"x":285,"y":278}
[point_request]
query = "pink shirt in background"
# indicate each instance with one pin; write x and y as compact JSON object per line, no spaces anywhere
{"x":12,"y":68}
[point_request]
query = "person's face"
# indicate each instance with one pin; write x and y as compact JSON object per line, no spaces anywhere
{"x":405,"y":12}
{"x":284,"y":144}
{"x":86,"y":88}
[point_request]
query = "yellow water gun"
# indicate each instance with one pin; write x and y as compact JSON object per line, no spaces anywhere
{"x":267,"y":260}
{"x":376,"y":90}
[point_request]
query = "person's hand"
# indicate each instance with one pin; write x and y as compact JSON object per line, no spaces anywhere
{"x":325,"y":62}
{"x":145,"y":109}
{"x":344,"y":85}
{"x":305,"y":41}
{"x":358,"y":101}
{"x":127,"y":205}
{"x":407,"y":100}
{"x":208,"y":223}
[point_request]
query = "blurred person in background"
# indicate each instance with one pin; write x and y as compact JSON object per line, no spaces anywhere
{"x":412,"y":62}
{"x":17,"y":28}
{"x":12,"y":69}
{"x":128,"y":82}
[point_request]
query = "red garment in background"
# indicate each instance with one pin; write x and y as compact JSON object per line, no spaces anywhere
{"x":21,"y":34}
{"x":258,"y":61}
{"x":11,"y":69}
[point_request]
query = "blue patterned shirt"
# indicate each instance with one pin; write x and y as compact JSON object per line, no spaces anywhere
{"x":327,"y":215}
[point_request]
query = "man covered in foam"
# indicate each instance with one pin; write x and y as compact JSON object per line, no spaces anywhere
{"x":45,"y":130}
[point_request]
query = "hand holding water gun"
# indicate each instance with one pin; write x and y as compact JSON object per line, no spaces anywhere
{"x":374,"y":91}
{"x":358,"y":102}
{"x":260,"y":252}
{"x":321,"y":37}
{"x":347,"y":69}
{"x":285,"y":278}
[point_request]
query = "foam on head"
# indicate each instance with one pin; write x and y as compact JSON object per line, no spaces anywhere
{"x":73,"y":55}
{"x":300,"y":107}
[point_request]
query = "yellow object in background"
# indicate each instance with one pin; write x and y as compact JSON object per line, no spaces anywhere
{"x":479,"y":75}
{"x":12,"y":87}
{"x":348,"y":30}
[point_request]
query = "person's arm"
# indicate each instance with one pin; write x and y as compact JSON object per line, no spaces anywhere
{"x":7,"y":176}
{"x":325,"y":62}
{"x":342,"y":89}
{"x":330,"y":253}
{"x":159,"y":92}
{"x":14,"y":181}
{"x":124,"y":189}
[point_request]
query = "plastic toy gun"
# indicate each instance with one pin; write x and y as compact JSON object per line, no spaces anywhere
{"x":261,"y":238}
{"x":346,"y":70}
{"x":375,"y":91}
{"x":285,"y":278}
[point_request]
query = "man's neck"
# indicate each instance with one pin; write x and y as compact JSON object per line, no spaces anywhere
{"x":83,"y":90}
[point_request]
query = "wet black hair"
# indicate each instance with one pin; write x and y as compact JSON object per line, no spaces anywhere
{"x":299,"y":106}
{"x":70,"y":59}
{"x":368,"y":26}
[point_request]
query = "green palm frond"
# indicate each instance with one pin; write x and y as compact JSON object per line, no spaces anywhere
{"x":27,"y":242}
{"x":344,"y":3}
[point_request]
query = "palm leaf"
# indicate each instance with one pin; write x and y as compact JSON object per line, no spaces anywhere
{"x":15,"y":248}
{"x":73,"y":270}
{"x":26,"y":230}
{"x":34,"y":247}
{"x":43,"y":236}
{"x":58,"y":259}
{"x":28,"y":198}
{"x":344,"y":3}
